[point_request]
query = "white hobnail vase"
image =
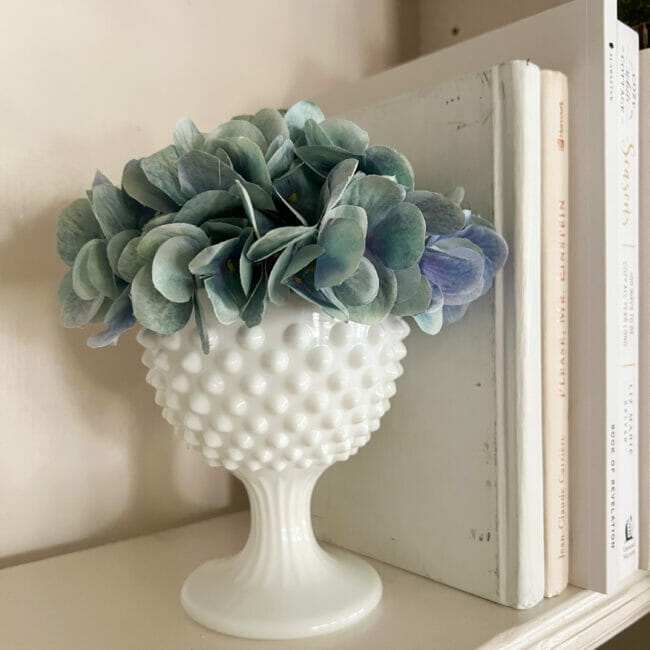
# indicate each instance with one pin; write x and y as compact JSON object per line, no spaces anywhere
{"x":277,"y":404}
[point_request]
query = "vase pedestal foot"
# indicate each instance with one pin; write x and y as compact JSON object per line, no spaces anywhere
{"x":343,"y":592}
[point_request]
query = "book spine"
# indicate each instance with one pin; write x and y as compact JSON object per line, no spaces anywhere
{"x":517,"y":207}
{"x":555,"y":327}
{"x":626,"y":376}
{"x":644,"y":309}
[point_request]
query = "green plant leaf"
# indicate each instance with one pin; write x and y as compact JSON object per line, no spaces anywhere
{"x":150,"y":242}
{"x":375,"y":312}
{"x":208,"y":205}
{"x":353,"y":212}
{"x":152,"y":309}
{"x":344,"y":244}
{"x":226,"y":300}
{"x":119,"y":319}
{"x":235,"y":129}
{"x":417,"y":303}
{"x":218,"y":230}
{"x":375,"y":194}
{"x":345,"y":134}
{"x":245,"y":265}
{"x":211,"y":259}
{"x":112,"y":212}
{"x":199,"y":319}
{"x":81,"y":282}
{"x":248,"y":159}
{"x":260,"y":222}
{"x":302,"y":258}
{"x":76,"y":226}
{"x":161,"y":170}
{"x":116,"y":245}
{"x":65,"y":287}
{"x":169,"y":271}
{"x":397,"y":238}
{"x":386,"y":161}
{"x":99,"y":270}
{"x":336,"y":182}
{"x":299,"y":190}
{"x":361,"y":287}
{"x":322,"y":159}
{"x":456,"y":195}
{"x":187,"y":136}
{"x":315,"y":136}
{"x":270,"y":123}
{"x":280,"y":162}
{"x":277,"y":291}
{"x":408,"y":281}
{"x":199,"y":171}
{"x":298,"y":114}
{"x":253,"y":311}
{"x":130,"y":261}
{"x":137,"y":186}
{"x":442,"y":215}
{"x":302,"y":284}
{"x":275,"y":240}
{"x":160,"y":220}
{"x":430,"y":322}
{"x":76,"y":312}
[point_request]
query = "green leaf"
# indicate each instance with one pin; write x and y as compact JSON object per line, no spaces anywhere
{"x":245,"y":265}
{"x":302,"y":258}
{"x":361,"y":287}
{"x":260,"y":199}
{"x":150,"y":242}
{"x":248,"y":159}
{"x":322,"y":159}
{"x":235,"y":129}
{"x":253,"y":311}
{"x":456,"y":195}
{"x":119,"y":319}
{"x":344,"y":244}
{"x":152,"y":309}
{"x":336,"y":182}
{"x":375,"y":311}
{"x":280,"y":162}
{"x":208,"y":205}
{"x":211,"y":259}
{"x":345,"y":134}
{"x":353,"y":212}
{"x":386,"y":161}
{"x":275,"y":240}
{"x":408,"y":281}
{"x":160,"y":220}
{"x":137,"y":186}
{"x":76,"y":226}
{"x":76,"y":312}
{"x":315,"y":136}
{"x":187,"y":136}
{"x":199,"y":319}
{"x":169,"y":271}
{"x":81,"y":282}
{"x":298,"y":114}
{"x":303,"y":284}
{"x":226,"y":300}
{"x":279,"y":292}
{"x":112,"y":212}
{"x":130,"y":261}
{"x":430,"y":322}
{"x":442,"y":215}
{"x":375,"y":194}
{"x":397,"y":238}
{"x":270,"y":123}
{"x":417,"y":303}
{"x":65,"y":287}
{"x":299,"y":190}
{"x":260,"y":222}
{"x":116,"y":245}
{"x":99,"y":270}
{"x":161,"y":170}
{"x":199,"y":171}
{"x":218,"y":230}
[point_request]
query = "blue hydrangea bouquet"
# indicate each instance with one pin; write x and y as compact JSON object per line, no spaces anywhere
{"x":267,"y":205}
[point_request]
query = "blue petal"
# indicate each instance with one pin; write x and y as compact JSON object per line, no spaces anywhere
{"x":452,"y":313}
{"x":489,"y":241}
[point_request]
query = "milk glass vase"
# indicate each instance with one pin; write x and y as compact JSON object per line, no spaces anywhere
{"x":276,"y":405}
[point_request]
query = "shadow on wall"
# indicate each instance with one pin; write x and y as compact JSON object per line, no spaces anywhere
{"x":123,"y":471}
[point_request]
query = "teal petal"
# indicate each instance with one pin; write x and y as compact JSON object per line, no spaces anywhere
{"x":352,"y":212}
{"x":277,"y":291}
{"x":65,"y":287}
{"x":303,"y":285}
{"x":442,"y":215}
{"x":150,"y":242}
{"x":245,"y":265}
{"x":169,"y":271}
{"x":137,"y":186}
{"x":298,"y":114}
{"x":337,"y":181}
{"x":199,"y":171}
{"x":81,"y":282}
{"x":397,"y":238}
{"x":361,"y":287}
{"x":112,"y":212}
{"x":315,"y":136}
{"x":218,"y":230}
{"x":160,"y":220}
{"x":76,"y":312}
{"x":322,"y":159}
{"x":344,"y":244}
{"x":386,"y":161}
{"x":302,"y":258}
{"x":208,"y":205}
{"x":456,"y":195}
{"x":247,"y":159}
{"x":345,"y":134}
{"x":375,"y":311}
{"x":100,"y":271}
{"x":199,"y":319}
{"x":226,"y":300}
{"x":275,"y":240}
{"x":253,"y":311}
{"x":76,"y":226}
{"x":161,"y":170}
{"x":235,"y":129}
{"x":116,"y":245}
{"x":418,"y":302}
{"x":152,"y":309}
{"x":260,"y":222}
{"x":214,"y":258}
{"x":119,"y":319}
{"x":130,"y":261}
{"x":375,"y":194}
{"x":280,"y":161}
{"x":430,"y":322}
{"x":187,"y":136}
{"x":270,"y":123}
{"x":408,"y":281}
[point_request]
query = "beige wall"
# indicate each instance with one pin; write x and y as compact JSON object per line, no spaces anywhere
{"x":84,"y":453}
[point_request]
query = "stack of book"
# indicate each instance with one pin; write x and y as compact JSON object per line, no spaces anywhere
{"x":518,"y":460}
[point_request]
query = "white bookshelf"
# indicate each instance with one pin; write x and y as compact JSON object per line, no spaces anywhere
{"x":126,"y":595}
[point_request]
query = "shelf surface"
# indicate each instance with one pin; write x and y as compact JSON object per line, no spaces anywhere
{"x":126,"y":595}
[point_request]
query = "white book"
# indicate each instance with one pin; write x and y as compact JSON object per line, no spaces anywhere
{"x":626,"y":309}
{"x":555,"y":327}
{"x":465,"y":425}
{"x":579,"y":39}
{"x":644,"y":309}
